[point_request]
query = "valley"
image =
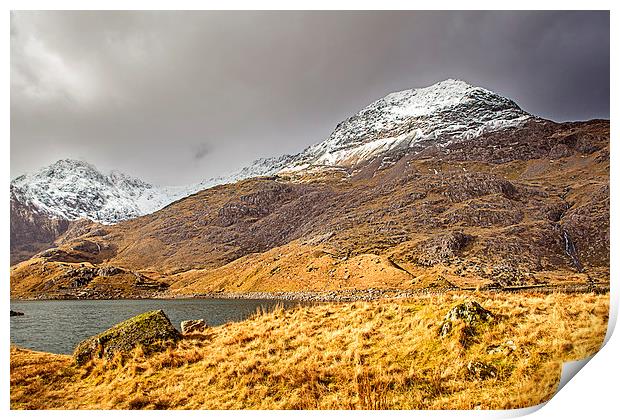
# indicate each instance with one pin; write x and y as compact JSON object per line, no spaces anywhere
{"x":450,"y":250}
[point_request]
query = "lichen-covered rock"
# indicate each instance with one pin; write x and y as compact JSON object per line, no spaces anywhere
{"x":193,"y":325}
{"x":470,"y":312}
{"x":151,"y":330}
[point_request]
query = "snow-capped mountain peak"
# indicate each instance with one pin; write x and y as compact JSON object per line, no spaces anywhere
{"x":405,"y":121}
{"x":447,"y":111}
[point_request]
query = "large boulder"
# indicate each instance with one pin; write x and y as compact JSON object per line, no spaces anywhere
{"x":151,"y":330}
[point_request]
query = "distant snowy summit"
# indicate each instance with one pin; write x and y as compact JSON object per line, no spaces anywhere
{"x":72,"y":189}
{"x":437,"y":115}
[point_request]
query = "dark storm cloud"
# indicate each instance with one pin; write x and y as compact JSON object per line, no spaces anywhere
{"x":136,"y":90}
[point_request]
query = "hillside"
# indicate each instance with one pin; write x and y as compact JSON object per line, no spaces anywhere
{"x":522,"y":205}
{"x":404,"y":121}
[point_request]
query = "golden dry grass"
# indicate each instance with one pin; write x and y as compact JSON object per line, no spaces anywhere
{"x":362,"y":355}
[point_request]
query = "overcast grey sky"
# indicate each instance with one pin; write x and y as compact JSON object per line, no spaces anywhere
{"x":177,"y":97}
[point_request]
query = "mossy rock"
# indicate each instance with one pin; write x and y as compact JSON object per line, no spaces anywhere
{"x":470,"y":312}
{"x":151,"y":330}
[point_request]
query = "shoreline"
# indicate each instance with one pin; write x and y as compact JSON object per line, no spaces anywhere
{"x":352,"y":295}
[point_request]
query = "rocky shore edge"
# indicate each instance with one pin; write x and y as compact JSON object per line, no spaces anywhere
{"x":369,"y":294}
{"x":375,"y":294}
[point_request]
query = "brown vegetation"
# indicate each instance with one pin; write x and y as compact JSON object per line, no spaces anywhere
{"x":360,"y":355}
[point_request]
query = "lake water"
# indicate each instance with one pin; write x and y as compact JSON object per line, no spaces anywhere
{"x":57,"y":326}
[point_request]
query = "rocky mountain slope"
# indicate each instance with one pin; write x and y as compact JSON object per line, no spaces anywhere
{"x":521,"y":206}
{"x":446,"y":112}
{"x":44,"y":203}
{"x":446,"y":186}
{"x":31,"y":230}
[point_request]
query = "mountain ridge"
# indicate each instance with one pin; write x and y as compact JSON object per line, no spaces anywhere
{"x":72,"y":189}
{"x":500,"y":211}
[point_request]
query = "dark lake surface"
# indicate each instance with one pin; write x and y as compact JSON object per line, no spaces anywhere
{"x":57,"y":326}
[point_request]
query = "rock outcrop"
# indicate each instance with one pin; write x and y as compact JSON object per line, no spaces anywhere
{"x":193,"y":325}
{"x":151,"y":330}
{"x":470,"y":313}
